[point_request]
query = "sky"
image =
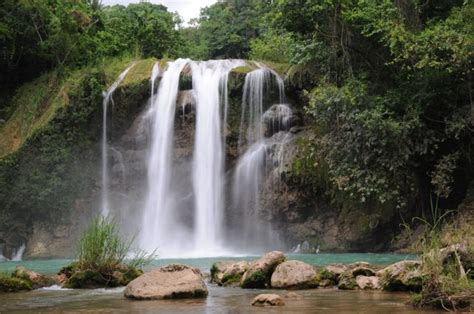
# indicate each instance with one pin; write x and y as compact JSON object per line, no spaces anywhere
{"x":188,"y":9}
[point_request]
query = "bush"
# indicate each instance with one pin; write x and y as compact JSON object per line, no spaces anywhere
{"x":103,"y":258}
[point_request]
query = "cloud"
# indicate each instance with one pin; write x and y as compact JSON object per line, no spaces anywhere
{"x":188,"y":9}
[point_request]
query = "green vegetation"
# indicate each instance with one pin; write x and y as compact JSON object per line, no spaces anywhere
{"x":103,"y":258}
{"x":9,"y":283}
{"x":257,"y":280}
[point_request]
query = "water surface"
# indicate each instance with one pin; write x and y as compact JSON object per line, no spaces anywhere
{"x":220,"y":300}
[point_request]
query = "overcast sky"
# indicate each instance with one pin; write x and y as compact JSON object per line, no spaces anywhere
{"x":188,"y":9}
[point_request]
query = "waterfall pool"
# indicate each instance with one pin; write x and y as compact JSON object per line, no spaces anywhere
{"x":220,"y":300}
{"x":204,"y":263}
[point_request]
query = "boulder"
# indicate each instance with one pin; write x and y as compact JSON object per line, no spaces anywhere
{"x":367,"y":282}
{"x":293,"y":296}
{"x":277,"y":118}
{"x":335,"y":270}
{"x":228,"y":273}
{"x":401,"y":276}
{"x":294,"y":275}
{"x":14,"y":284}
{"x":36,"y":280}
{"x":363,"y":270}
{"x":74,"y":276}
{"x":168,"y":282}
{"x":268,"y":299}
{"x":347,"y":281}
{"x":259,"y":273}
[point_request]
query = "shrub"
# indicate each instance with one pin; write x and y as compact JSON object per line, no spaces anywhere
{"x":103,"y":258}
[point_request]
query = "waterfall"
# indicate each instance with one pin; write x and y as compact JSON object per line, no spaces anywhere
{"x":160,"y":227}
{"x":250,"y":169}
{"x":105,"y":210}
{"x":208,"y":161}
{"x":18,"y":254}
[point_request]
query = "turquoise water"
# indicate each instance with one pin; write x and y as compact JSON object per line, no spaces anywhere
{"x":219,"y":300}
{"x":53,"y":266}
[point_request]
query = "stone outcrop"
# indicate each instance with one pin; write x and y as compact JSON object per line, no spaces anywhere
{"x":401,"y":276}
{"x":268,"y":299}
{"x":228,"y":273}
{"x":367,"y":282}
{"x":294,"y":275}
{"x":37,"y":280}
{"x":168,"y":282}
{"x":259,"y":273}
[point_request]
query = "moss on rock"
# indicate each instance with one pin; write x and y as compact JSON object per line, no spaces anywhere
{"x":13,"y":284}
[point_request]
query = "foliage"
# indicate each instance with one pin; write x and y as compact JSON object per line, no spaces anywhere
{"x":103,"y":258}
{"x":12,"y":284}
{"x":102,"y":249}
{"x":272,"y":46}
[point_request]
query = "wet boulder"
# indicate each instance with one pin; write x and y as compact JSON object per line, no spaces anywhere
{"x":37,"y":280}
{"x":401,"y":276}
{"x":347,"y":281}
{"x":277,"y":118}
{"x":228,"y":273}
{"x":259,"y":273}
{"x":268,"y":299}
{"x":168,"y":282}
{"x":294,"y":275}
{"x":367,"y":282}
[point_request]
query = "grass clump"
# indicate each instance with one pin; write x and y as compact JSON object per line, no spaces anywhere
{"x":103,"y":259}
{"x":446,"y":281}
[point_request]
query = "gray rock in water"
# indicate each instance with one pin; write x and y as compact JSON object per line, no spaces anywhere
{"x":228,"y":273}
{"x":168,"y":282}
{"x":294,"y":275}
{"x":260,"y":271}
{"x":401,"y":276}
{"x":368,"y":282}
{"x":268,"y":299}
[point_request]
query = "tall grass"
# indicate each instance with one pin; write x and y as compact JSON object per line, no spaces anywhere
{"x":102,"y":249}
{"x":445,"y":283}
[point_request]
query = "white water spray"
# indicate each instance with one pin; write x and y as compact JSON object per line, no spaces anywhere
{"x":250,"y":170}
{"x":160,"y":225}
{"x":208,"y":163}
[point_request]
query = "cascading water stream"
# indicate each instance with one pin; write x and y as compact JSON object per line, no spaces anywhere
{"x":208,"y":162}
{"x":160,"y":227}
{"x":105,"y":210}
{"x":250,"y":167}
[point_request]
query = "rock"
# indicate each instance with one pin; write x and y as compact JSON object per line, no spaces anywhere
{"x":293,"y":296}
{"x":260,"y":271}
{"x":328,"y":278}
{"x":268,"y":299}
{"x":336,"y":269}
{"x":347,"y":281}
{"x":36,"y":280}
{"x":2,"y":122}
{"x":277,"y":118}
{"x":294,"y":275}
{"x":74,"y":277}
{"x":228,"y":273}
{"x":362,"y":270}
{"x":14,"y":284}
{"x":401,"y":276}
{"x":448,"y":256}
{"x":333,"y":272}
{"x":368,"y":282}
{"x":168,"y":282}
